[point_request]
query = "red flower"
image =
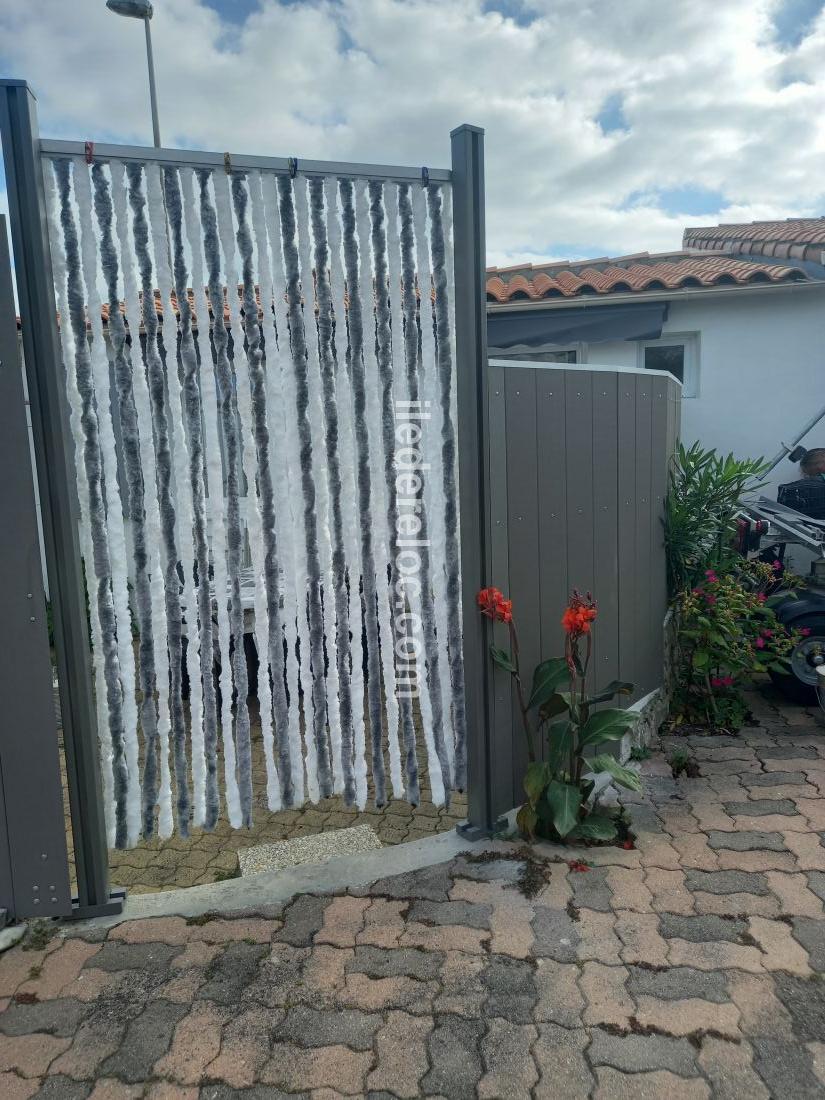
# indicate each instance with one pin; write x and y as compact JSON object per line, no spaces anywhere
{"x":761,"y":597}
{"x":578,"y":615}
{"x":776,"y":565}
{"x":577,"y":865}
{"x":760,"y":643}
{"x":628,"y":845}
{"x":493,"y":604}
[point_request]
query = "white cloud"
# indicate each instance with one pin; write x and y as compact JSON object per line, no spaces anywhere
{"x":710,"y":99}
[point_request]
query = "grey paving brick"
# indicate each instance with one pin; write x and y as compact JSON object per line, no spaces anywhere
{"x":787,"y":752}
{"x":591,"y":891}
{"x":115,"y":955}
{"x":805,"y":1000}
{"x":816,"y":881}
{"x":511,"y":989}
{"x":777,"y":779}
{"x":811,"y":934}
{"x":727,"y":882}
{"x":147,"y":1039}
{"x":312,"y":1027}
{"x":62,"y":1088}
{"x":704,"y":929}
{"x":232,"y":971}
{"x":455,"y":1058}
{"x":498,"y":870}
{"x":432,"y":883}
{"x":759,"y":807}
{"x":302,"y":919}
{"x":383,"y":962}
{"x":257,"y":1092}
{"x":747,"y":841}
{"x":60,"y":1017}
{"x":677,"y":983}
{"x":450,"y":912}
{"x":641,"y":1053}
{"x":556,"y":935}
{"x":786,"y":1068}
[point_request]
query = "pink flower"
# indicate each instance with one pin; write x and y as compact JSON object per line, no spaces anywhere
{"x":776,"y":565}
{"x":711,"y":576}
{"x":727,"y":681}
{"x":710,"y":599}
{"x":760,"y":643}
{"x":767,"y":633}
{"x":805,"y":631}
{"x":761,"y":597}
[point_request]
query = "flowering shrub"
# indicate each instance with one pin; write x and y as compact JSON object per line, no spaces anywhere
{"x":728,"y":633}
{"x":560,"y":789}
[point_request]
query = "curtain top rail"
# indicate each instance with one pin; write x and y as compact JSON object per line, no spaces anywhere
{"x":193,"y":158}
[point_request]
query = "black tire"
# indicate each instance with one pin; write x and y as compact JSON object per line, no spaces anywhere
{"x":789,"y":683}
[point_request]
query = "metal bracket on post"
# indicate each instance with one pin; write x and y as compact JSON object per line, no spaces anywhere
{"x":56,"y":476}
{"x":473,"y":467}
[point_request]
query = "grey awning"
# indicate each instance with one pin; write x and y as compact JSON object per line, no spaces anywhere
{"x":588,"y":324}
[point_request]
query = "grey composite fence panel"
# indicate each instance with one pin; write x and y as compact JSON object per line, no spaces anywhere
{"x":582,"y":457}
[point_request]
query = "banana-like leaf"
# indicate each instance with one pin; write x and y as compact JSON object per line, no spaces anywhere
{"x":536,"y":779}
{"x":547,"y":678}
{"x":625,"y":777}
{"x":502,"y":658}
{"x":615,"y":687}
{"x":559,"y":741}
{"x":565,"y":801}
{"x":597,"y":827}
{"x":607,"y":725}
{"x":558,"y":703}
{"x":527,"y":819}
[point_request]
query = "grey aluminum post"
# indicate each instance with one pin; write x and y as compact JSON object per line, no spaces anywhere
{"x":56,"y":477}
{"x":473,"y":462}
{"x":153,"y":92}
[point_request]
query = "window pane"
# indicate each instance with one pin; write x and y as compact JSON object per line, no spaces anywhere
{"x":669,"y":357}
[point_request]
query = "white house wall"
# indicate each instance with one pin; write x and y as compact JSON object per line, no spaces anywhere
{"x":761,"y":363}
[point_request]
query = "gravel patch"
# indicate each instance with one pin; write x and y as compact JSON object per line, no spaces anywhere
{"x":319,"y":848}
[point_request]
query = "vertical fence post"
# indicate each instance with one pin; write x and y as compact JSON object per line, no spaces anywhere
{"x":473,"y":463}
{"x":56,"y":477}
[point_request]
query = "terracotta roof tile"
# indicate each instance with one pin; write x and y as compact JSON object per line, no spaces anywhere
{"x":792,"y":239}
{"x":633,"y":274}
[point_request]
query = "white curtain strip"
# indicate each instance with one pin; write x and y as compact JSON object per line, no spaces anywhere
{"x":279,"y":345}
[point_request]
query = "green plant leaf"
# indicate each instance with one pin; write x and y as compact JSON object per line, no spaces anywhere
{"x":615,"y":687}
{"x":558,"y":703}
{"x":526,"y":820}
{"x":559,"y":740}
{"x":625,"y":777}
{"x":536,"y":779}
{"x":597,"y":827}
{"x":502,"y":658}
{"x":701,"y":658}
{"x":547,"y":678}
{"x":607,"y":725}
{"x":565,"y":801}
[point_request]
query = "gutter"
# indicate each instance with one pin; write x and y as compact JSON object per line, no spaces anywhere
{"x":679,"y":294}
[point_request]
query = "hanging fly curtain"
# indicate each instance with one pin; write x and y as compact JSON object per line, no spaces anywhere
{"x":259,"y":369}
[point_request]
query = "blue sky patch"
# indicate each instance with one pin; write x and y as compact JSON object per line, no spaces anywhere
{"x":689,"y":200}
{"x":519,"y":11}
{"x":611,"y":116}
{"x":234,"y":11}
{"x":792,"y":20}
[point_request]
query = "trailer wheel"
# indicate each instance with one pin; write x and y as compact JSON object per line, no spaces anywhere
{"x":800,"y":681}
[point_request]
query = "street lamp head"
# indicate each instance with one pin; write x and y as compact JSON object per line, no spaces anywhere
{"x":135,"y":9}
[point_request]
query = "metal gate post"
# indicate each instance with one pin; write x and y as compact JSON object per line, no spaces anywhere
{"x":473,"y":463}
{"x":56,"y":477}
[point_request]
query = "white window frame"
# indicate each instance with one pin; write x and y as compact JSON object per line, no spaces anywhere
{"x":690,"y":340}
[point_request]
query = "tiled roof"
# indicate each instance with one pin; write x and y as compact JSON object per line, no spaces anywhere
{"x":793,"y":239}
{"x":632,"y":274}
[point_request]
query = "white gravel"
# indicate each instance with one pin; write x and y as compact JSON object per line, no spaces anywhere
{"x":307,"y":849}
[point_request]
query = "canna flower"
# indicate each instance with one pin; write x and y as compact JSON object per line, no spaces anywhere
{"x":760,"y":643}
{"x":578,"y":615}
{"x":761,"y":597}
{"x":776,"y":565}
{"x":492,"y":603}
{"x":805,"y":631}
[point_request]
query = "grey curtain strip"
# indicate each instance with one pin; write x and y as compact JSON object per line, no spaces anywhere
{"x":163,"y":461}
{"x":326,"y":345}
{"x":412,"y":351}
{"x":314,"y":598}
{"x":234,"y":531}
{"x":134,"y":482}
{"x":257,"y":382}
{"x":357,"y":378}
{"x":97,"y":512}
{"x":448,"y":451}
{"x":194,"y":431}
{"x":383,"y":352}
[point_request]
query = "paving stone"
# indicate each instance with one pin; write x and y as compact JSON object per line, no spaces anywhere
{"x":560,"y":1000}
{"x":509,"y":1068}
{"x":759,"y":861}
{"x":431,"y":883}
{"x":556,"y":935}
{"x":62,"y":1088}
{"x":244,"y":1047}
{"x":311,"y":1027}
{"x":281,"y":971}
{"x":761,"y":1011}
{"x":816,"y":881}
{"x":727,"y":882}
{"x":776,"y":778}
{"x":13,"y":1087}
{"x":615,"y":1085}
{"x":95,"y":1040}
{"x":702,"y":929}
{"x":641,"y":1053}
{"x":805,"y":1001}
{"x":147,"y":1039}
{"x":115,"y":955}
{"x":462,"y":991}
{"x":511,"y":989}
{"x":729,"y":1068}
{"x":734,"y":905}
{"x":678,"y":983}
{"x":560,"y":1057}
{"x":377,"y":994}
{"x":668,"y":891}
{"x":451,"y":912}
{"x":811,"y":934}
{"x":694,"y":851}
{"x":232,"y":971}
{"x":511,"y":932}
{"x":63,"y":962}
{"x":383,"y":923}
{"x":56,"y":1017}
{"x":606,"y":998}
{"x":794,"y":896}
{"x":498,"y":870}
{"x":343,"y":921}
{"x":226,"y":1092}
{"x":761,"y":807}
{"x":454,"y":1057}
{"x":690,"y":1018}
{"x":747,"y":841}
{"x":591,"y":890}
{"x":380,"y":962}
{"x":401,"y":1047}
{"x":715,"y":955}
{"x":786,"y":1068}
{"x":643,"y":943}
{"x":787,"y":752}
{"x":196,"y":1043}
{"x":302,"y":920}
{"x":597,"y":937}
{"x":336,"y":1068}
{"x":808,"y":852}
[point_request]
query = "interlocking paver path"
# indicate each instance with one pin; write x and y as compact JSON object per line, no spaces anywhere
{"x":689,"y":967}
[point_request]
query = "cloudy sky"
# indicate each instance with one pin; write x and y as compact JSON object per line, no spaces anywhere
{"x":610,"y":124}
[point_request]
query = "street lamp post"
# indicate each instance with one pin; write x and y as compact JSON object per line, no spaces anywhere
{"x":142,"y":9}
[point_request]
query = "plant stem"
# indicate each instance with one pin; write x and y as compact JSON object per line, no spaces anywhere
{"x":525,"y":718}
